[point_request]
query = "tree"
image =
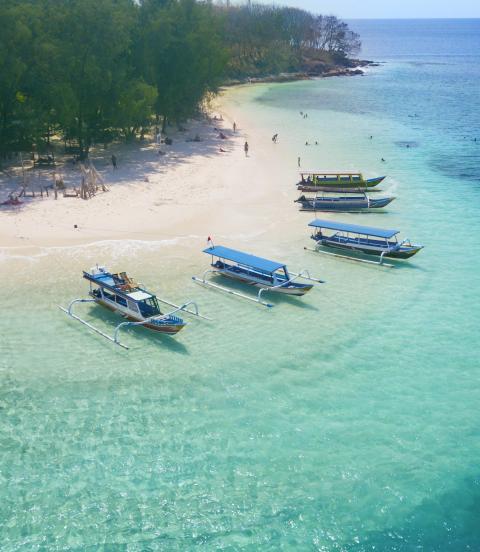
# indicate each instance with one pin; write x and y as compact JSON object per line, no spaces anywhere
{"x":93,"y":69}
{"x":182,"y":54}
{"x":15,"y":61}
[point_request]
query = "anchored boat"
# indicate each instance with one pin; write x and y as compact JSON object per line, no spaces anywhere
{"x":366,"y":240}
{"x":255,"y":271}
{"x":335,"y":182}
{"x":122,"y":295}
{"x":342,"y":203}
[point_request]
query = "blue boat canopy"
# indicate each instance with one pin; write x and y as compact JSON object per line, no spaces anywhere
{"x":355,"y":228}
{"x":243,"y":258}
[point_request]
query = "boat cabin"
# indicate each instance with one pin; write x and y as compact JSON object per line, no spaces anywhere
{"x":366,"y":240}
{"x":121,"y":291}
{"x":249,"y":267}
{"x":353,"y":233}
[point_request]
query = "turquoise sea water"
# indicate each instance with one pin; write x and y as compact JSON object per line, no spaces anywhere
{"x":344,"y":421}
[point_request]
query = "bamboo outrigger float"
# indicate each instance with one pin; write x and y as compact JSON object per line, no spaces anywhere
{"x":256,"y":271}
{"x":348,"y":239}
{"x":122,"y":295}
{"x":336,"y":182}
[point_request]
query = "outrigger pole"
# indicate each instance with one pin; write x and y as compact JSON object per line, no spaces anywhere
{"x":70,"y":313}
{"x":206,"y":283}
{"x":346,"y":258}
{"x":305,"y":274}
{"x":182,"y":307}
{"x":125,"y":324}
{"x":258,"y":299}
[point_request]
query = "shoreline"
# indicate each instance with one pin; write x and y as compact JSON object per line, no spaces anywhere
{"x":314,"y":71}
{"x":193,"y":190}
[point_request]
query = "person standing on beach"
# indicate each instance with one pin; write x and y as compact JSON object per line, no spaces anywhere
{"x":114,"y":161}
{"x":234,"y":126}
{"x":298,"y":161}
{"x":245,"y":149}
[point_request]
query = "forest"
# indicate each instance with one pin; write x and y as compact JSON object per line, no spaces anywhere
{"x":93,"y":71}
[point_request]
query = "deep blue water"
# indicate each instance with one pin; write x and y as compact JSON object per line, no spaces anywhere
{"x":437,"y":77}
{"x":409,"y":39}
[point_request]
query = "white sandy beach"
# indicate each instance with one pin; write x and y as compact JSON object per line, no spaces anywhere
{"x":192,"y":190}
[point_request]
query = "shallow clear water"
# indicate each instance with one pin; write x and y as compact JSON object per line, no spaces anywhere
{"x":344,"y":421}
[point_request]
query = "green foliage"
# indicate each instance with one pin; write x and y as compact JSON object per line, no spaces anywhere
{"x":15,"y":59}
{"x":269,"y":39}
{"x":95,"y":70}
{"x":182,"y":54}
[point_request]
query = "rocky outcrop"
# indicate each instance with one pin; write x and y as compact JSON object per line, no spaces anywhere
{"x":311,"y":68}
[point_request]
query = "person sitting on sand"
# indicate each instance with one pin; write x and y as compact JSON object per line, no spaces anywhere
{"x":222,"y":136}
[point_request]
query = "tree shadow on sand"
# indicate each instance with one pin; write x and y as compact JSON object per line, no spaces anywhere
{"x":144,"y":160}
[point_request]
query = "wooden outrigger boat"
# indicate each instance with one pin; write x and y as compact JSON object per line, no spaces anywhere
{"x":122,"y":295}
{"x":342,"y":203}
{"x":364,"y":240}
{"x":260,"y":273}
{"x":336,"y":182}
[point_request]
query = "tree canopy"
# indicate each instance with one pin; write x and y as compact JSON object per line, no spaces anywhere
{"x":92,"y":71}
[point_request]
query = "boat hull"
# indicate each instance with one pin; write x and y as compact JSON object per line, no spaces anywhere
{"x":343,"y":204}
{"x":335,"y":184}
{"x":403,"y":252}
{"x":354,"y":189}
{"x":295,"y":290}
{"x":168,"y":329}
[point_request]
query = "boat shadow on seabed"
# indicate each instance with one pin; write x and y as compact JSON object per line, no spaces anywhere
{"x":273,"y":298}
{"x":395,"y":264}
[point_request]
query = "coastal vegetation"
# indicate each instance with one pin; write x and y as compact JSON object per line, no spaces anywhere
{"x":92,"y":71}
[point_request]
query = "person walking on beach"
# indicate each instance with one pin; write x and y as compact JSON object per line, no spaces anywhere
{"x":298,"y":161}
{"x":234,"y":126}
{"x":114,"y":161}
{"x":274,"y":138}
{"x":245,"y":149}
